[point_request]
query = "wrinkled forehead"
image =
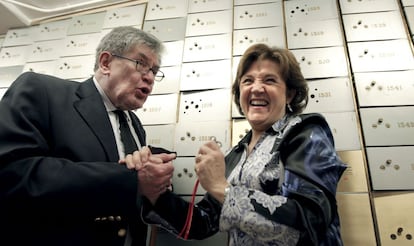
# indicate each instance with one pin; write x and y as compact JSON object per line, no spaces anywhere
{"x":260,"y":64}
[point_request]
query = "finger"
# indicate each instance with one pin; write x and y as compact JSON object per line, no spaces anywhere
{"x":122,"y":161}
{"x":166,"y":174}
{"x":129,"y":162}
{"x":155,"y":160}
{"x":198,"y":158}
{"x":145,"y":153}
{"x":197,"y":167}
{"x":169,"y":168}
{"x":136,"y":159}
{"x":212,"y":145}
{"x":217,"y":142}
{"x":160,"y":173}
{"x":202,"y":149}
{"x":166,"y":157}
{"x":208,"y":147}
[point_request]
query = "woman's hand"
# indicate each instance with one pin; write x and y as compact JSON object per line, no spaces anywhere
{"x":210,"y":169}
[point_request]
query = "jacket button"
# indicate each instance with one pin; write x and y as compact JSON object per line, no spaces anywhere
{"x":122,"y":232}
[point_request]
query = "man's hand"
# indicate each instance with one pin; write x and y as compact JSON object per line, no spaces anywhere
{"x":137,"y":159}
{"x":155,"y":171}
{"x":154,"y":178}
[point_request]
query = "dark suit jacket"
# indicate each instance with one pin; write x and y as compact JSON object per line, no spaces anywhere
{"x":60,"y":183}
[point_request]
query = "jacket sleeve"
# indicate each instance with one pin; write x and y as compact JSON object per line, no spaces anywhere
{"x":170,"y":213}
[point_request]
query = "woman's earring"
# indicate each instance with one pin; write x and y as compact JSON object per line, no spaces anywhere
{"x":289,"y":108}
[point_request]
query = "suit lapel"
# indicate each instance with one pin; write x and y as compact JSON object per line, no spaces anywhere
{"x":92,"y":110}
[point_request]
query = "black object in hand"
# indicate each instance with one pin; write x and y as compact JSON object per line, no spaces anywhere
{"x":160,"y":150}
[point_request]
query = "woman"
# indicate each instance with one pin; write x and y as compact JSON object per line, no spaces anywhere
{"x":278,"y":185}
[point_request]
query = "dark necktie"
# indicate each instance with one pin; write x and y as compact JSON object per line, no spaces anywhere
{"x":126,"y":136}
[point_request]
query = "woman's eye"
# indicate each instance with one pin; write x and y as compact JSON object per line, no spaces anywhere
{"x":247,"y":81}
{"x":270,"y":80}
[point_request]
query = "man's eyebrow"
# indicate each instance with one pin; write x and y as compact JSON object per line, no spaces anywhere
{"x":145,"y":58}
{"x":142,"y":56}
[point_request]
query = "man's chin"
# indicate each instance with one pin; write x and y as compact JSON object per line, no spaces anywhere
{"x":135,"y":105}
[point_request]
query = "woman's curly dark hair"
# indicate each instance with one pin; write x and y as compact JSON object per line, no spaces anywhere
{"x":289,"y":70}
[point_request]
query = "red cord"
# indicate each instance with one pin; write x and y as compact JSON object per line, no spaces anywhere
{"x":187,"y":226}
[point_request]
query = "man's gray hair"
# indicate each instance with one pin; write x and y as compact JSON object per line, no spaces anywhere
{"x":121,"y":39}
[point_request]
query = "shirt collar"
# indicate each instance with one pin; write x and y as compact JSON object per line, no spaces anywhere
{"x":108,"y":104}
{"x":276,"y":128}
{"x":279,"y":125}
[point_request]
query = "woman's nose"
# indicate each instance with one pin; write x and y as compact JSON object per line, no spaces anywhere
{"x":258,"y":87}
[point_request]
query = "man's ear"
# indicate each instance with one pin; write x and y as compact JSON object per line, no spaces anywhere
{"x":105,"y":59}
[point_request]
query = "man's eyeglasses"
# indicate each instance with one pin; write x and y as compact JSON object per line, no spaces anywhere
{"x":144,"y":68}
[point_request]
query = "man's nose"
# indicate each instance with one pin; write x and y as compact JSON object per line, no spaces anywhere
{"x":148,"y":78}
